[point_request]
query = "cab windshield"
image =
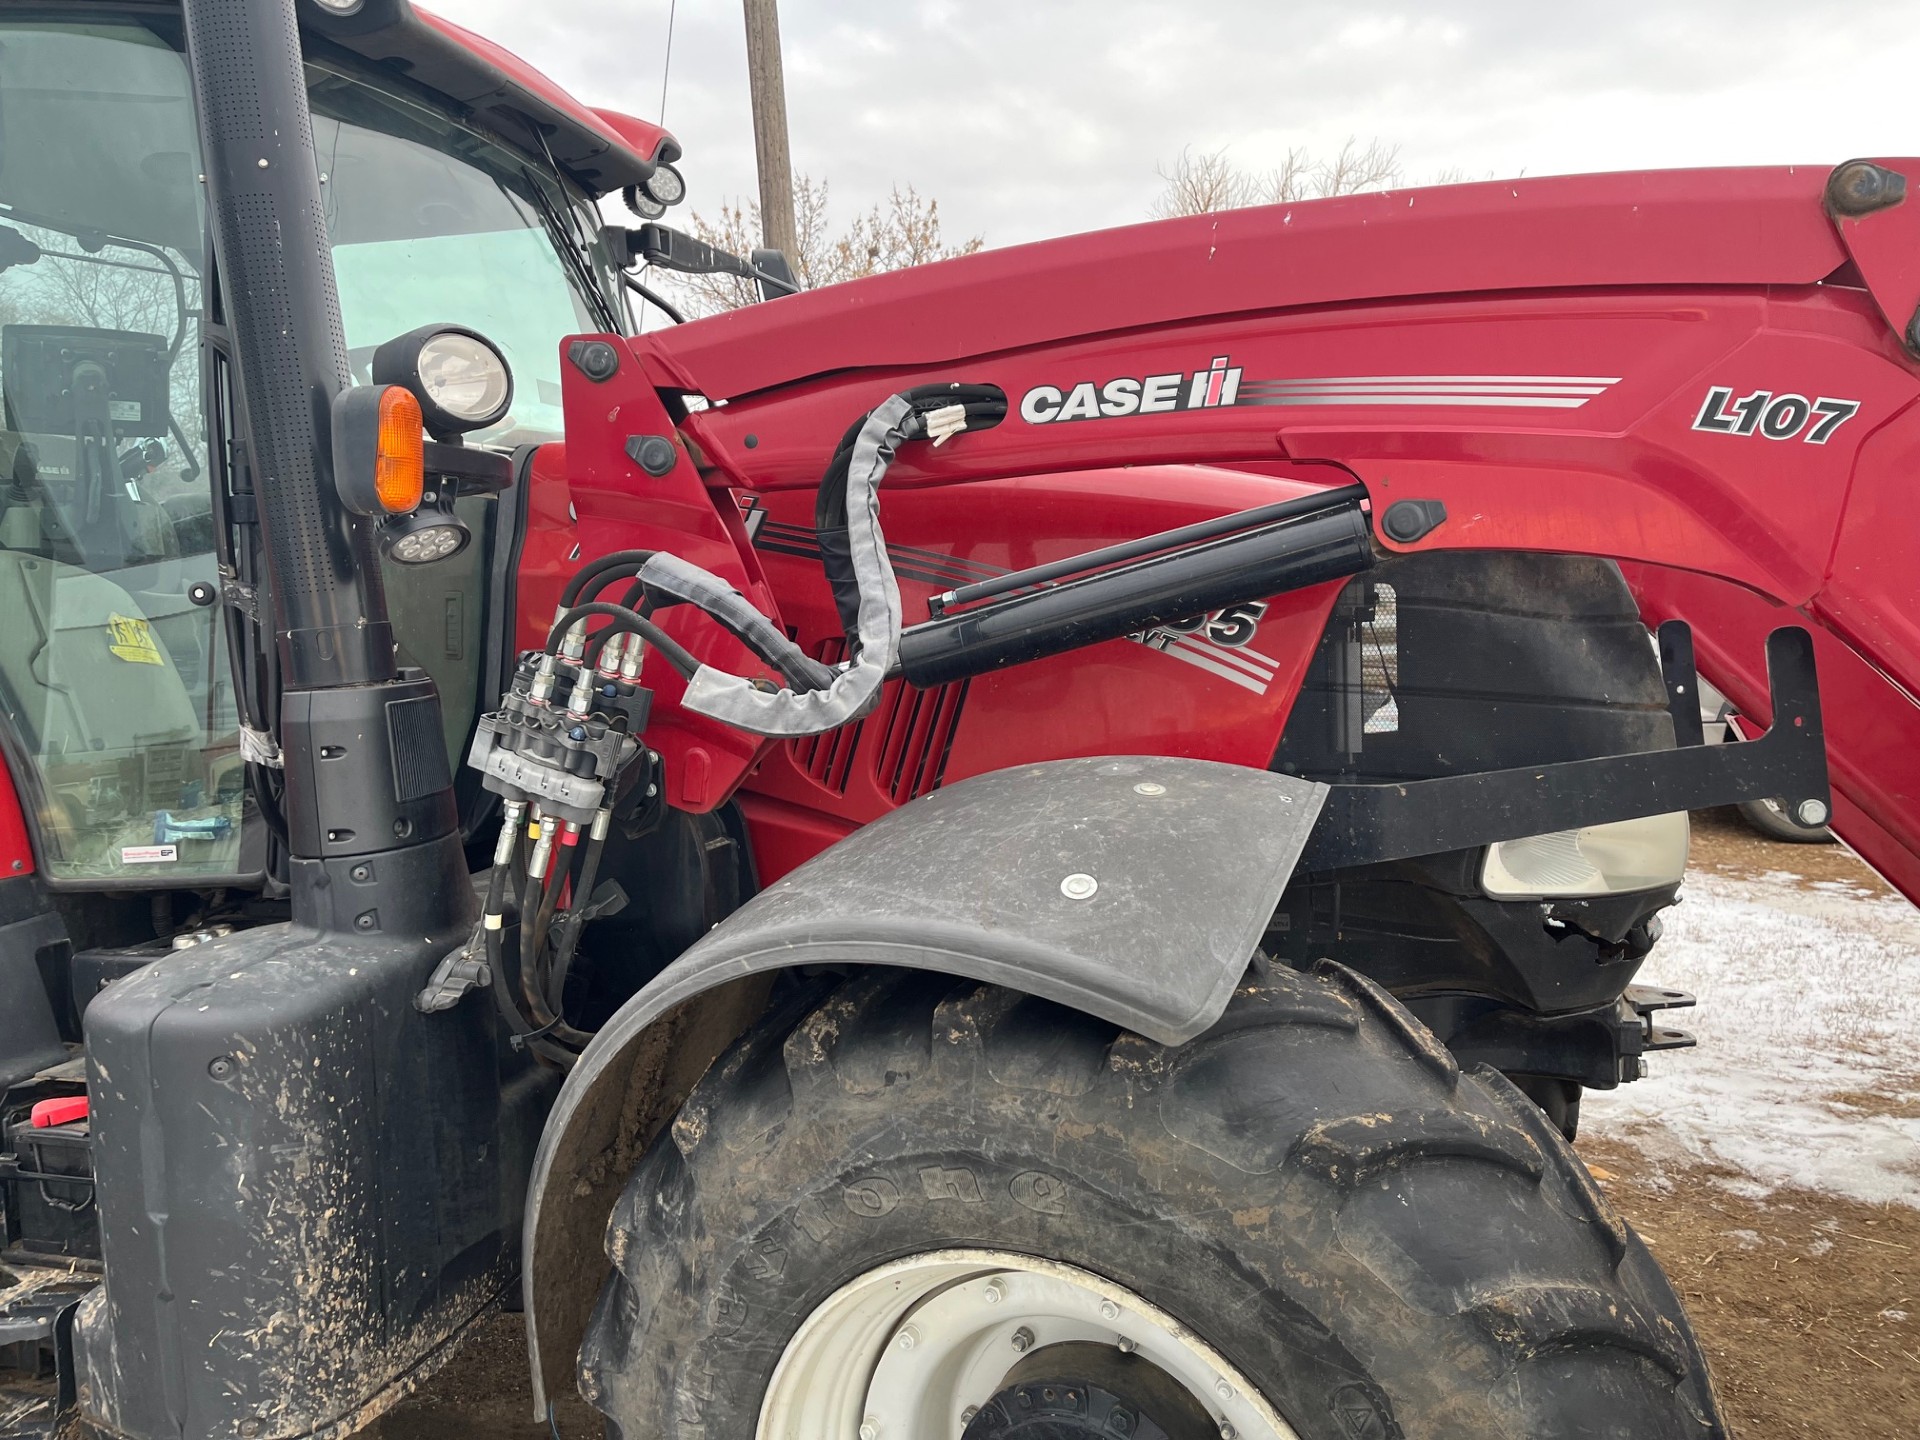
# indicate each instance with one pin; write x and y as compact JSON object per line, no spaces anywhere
{"x":118,"y":713}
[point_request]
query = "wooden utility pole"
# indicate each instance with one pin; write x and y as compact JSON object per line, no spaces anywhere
{"x":769,"y":89}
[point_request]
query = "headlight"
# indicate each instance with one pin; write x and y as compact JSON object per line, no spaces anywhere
{"x":460,"y":378}
{"x":1614,"y":859}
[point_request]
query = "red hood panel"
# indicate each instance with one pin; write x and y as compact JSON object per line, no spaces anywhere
{"x":1674,"y":227}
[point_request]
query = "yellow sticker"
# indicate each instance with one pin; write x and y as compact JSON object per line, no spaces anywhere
{"x":133,"y":641}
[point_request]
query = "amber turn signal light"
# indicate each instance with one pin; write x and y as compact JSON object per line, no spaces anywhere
{"x":379,"y":450}
{"x":399,"y":465}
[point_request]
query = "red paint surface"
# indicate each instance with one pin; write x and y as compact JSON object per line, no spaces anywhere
{"x":617,"y":131}
{"x":784,"y":837}
{"x":1685,"y":228}
{"x":1872,"y":726}
{"x":16,"y":849}
{"x":1657,"y":287}
{"x":621,"y":507}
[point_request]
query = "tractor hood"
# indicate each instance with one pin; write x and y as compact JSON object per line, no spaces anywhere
{"x":1762,"y":226}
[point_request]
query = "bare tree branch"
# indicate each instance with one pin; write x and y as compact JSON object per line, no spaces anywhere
{"x":904,"y":231}
{"x":1199,"y":184}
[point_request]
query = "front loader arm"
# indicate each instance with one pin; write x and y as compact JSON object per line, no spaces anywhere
{"x":1693,"y":374}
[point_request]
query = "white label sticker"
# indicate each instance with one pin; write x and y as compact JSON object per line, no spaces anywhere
{"x":149,"y":854}
{"x":125,"y":410}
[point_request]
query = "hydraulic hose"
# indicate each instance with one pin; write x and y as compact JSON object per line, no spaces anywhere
{"x":629,"y":621}
{"x":871,"y":607}
{"x":604,"y":565}
{"x":570,"y":941}
{"x":491,"y":923}
{"x":984,"y":407}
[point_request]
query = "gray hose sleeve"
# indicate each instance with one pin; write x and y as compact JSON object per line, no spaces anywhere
{"x":670,"y":575}
{"x":855,"y":690}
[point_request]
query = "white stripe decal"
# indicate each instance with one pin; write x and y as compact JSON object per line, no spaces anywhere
{"x":1250,"y":661}
{"x":1537,"y":402}
{"x":1238,"y":677}
{"x":1521,"y":380}
{"x":1529,"y":392}
{"x":1583,"y":390}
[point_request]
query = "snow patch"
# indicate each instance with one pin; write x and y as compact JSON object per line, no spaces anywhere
{"x":1808,"y":1020}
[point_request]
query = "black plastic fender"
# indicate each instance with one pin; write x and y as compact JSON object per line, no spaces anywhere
{"x":1133,"y":888}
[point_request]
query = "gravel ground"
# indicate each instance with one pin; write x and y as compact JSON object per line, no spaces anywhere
{"x":1775,"y":1171}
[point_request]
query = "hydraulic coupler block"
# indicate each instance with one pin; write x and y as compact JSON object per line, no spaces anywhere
{"x":572,"y":760}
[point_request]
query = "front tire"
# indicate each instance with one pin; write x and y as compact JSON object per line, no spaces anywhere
{"x":1376,"y":1243}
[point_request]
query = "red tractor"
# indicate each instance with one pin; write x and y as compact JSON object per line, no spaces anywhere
{"x":1104,"y":933}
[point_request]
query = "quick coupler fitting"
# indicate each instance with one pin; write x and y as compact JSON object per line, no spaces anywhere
{"x":542,"y":691}
{"x":580,"y":702}
{"x":542,"y":851}
{"x":511,"y":815}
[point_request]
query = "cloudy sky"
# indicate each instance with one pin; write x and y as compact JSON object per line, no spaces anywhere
{"x":1029,"y":118}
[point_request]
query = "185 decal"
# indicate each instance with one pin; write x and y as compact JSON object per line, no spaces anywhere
{"x":1776,"y":417}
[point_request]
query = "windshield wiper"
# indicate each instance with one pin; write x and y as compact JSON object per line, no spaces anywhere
{"x":571,"y":253}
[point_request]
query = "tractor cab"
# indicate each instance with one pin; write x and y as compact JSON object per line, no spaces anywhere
{"x":127,"y":730}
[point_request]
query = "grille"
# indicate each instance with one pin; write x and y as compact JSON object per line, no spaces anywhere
{"x":902,"y":746}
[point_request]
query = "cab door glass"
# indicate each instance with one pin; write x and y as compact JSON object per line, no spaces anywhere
{"x":114,"y":681}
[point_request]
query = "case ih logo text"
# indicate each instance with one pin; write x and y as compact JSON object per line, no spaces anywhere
{"x":1778,"y":417}
{"x":1217,"y":385}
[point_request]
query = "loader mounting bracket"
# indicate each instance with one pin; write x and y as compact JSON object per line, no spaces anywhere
{"x":1367,"y":824}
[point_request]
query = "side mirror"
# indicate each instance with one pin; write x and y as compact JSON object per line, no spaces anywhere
{"x":776,"y":274}
{"x":671,"y":250}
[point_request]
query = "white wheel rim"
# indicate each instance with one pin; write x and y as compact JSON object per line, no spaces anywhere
{"x":909,"y":1349}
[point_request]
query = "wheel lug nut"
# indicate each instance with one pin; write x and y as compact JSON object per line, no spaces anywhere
{"x":1127,"y":1347}
{"x":1223,"y":1389}
{"x":966,"y":1415}
{"x":996,"y":1291}
{"x":869,"y":1429}
{"x":1109,"y":1310}
{"x":1227,"y":1432}
{"x":909,"y":1338}
{"x":1023,"y":1339}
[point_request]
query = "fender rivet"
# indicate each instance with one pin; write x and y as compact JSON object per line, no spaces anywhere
{"x":1079,"y":887}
